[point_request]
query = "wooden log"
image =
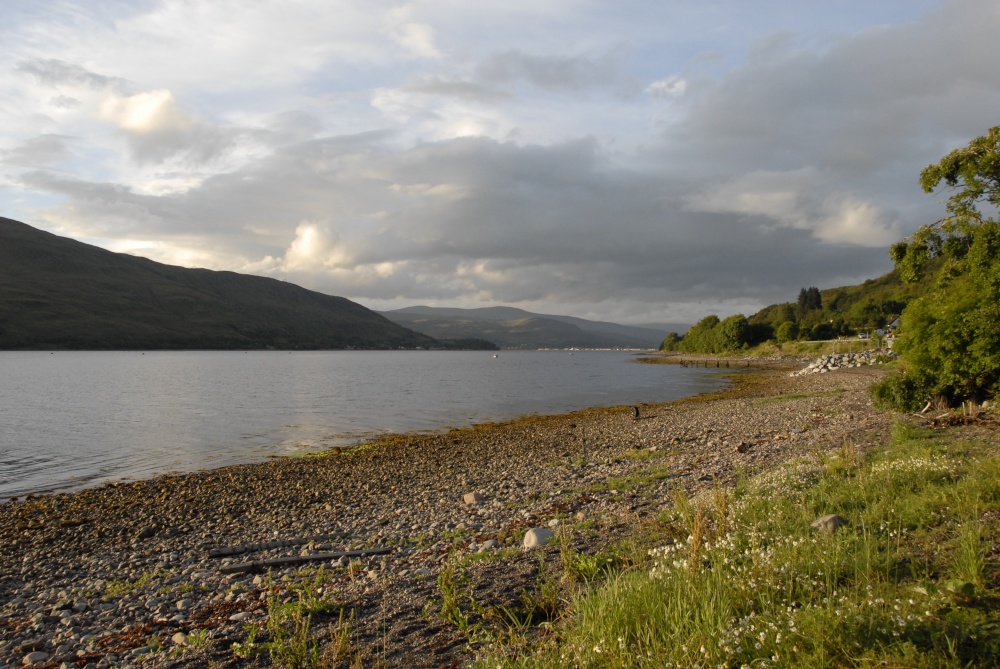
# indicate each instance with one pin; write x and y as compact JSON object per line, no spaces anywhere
{"x":260,"y":565}
{"x":224,"y":551}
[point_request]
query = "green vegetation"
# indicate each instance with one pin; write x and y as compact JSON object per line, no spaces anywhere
{"x":818,"y":315}
{"x":950,"y":337}
{"x":290,"y":609}
{"x":908,"y":581}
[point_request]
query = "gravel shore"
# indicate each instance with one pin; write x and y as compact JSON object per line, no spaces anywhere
{"x":122,"y":575}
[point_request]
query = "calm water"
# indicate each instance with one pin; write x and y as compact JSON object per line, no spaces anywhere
{"x":70,"y":420}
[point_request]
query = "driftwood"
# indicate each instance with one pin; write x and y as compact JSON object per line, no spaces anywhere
{"x":267,"y":545}
{"x":260,"y":565}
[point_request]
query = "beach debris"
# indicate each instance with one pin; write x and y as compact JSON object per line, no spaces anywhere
{"x":224,"y":551}
{"x":260,"y":565}
{"x":829,"y":523}
{"x":537,"y":537}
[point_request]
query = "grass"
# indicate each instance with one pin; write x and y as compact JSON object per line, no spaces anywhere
{"x":290,"y":610}
{"x":908,"y":582}
{"x":798,"y":396}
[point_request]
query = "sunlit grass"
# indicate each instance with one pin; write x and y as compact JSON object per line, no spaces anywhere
{"x":907,"y":582}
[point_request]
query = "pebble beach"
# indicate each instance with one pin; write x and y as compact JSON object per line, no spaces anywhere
{"x":173,"y":571}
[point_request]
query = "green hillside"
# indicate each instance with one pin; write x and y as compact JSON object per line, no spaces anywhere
{"x":815,"y":315}
{"x":57,"y":293}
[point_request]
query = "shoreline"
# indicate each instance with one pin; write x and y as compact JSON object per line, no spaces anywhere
{"x":128,"y":562}
{"x":128,"y":451}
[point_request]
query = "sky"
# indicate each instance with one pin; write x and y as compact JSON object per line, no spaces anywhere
{"x":634,"y":161}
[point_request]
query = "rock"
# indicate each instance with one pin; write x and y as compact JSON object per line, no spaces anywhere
{"x":145,"y":533}
{"x":830,"y":523}
{"x":489,"y":544}
{"x":184,"y":604}
{"x":240,"y":617}
{"x":421,"y":572}
{"x":473,"y":498}
{"x":35,"y":657}
{"x":179,"y":639}
{"x":744,"y":446}
{"x":554,"y":523}
{"x":537,"y":537}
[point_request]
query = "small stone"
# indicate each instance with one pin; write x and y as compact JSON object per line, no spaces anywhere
{"x":35,"y":657}
{"x":744,"y":446}
{"x":555,"y":522}
{"x":179,"y":639}
{"x":421,"y":572}
{"x":473,"y":498}
{"x":488,"y":545}
{"x":145,"y":533}
{"x":830,"y":523}
{"x":537,"y":537}
{"x":239,"y":617}
{"x":184,"y":604}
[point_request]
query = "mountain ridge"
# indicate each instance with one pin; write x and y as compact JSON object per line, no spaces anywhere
{"x":510,"y":327}
{"x":59,"y":293}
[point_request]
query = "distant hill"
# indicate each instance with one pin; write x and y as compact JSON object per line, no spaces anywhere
{"x":58,"y":293}
{"x":516,"y":328}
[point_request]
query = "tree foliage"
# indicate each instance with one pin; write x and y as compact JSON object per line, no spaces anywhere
{"x":950,"y":337}
{"x":711,"y":335}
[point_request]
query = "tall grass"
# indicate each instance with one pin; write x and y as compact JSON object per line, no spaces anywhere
{"x":906,"y":583}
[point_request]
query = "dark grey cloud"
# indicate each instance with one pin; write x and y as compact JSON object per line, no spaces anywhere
{"x":473,"y":219}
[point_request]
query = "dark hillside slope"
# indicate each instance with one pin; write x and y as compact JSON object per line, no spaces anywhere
{"x":59,"y":293}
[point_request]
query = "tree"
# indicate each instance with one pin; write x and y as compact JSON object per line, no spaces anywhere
{"x":810,"y":300}
{"x":733,"y":334}
{"x":787,"y":331}
{"x":949,"y":338}
{"x":702,"y":337}
{"x":671,"y":342}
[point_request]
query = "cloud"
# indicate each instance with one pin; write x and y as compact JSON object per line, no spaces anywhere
{"x":552,"y":73}
{"x":415,"y":37}
{"x":641,"y":163}
{"x":158,"y":128}
{"x":38,"y":152}
{"x":797,"y":199}
{"x":465,"y":90}
{"x":667,"y":88}
{"x":465,"y":220}
{"x":57,"y":73}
